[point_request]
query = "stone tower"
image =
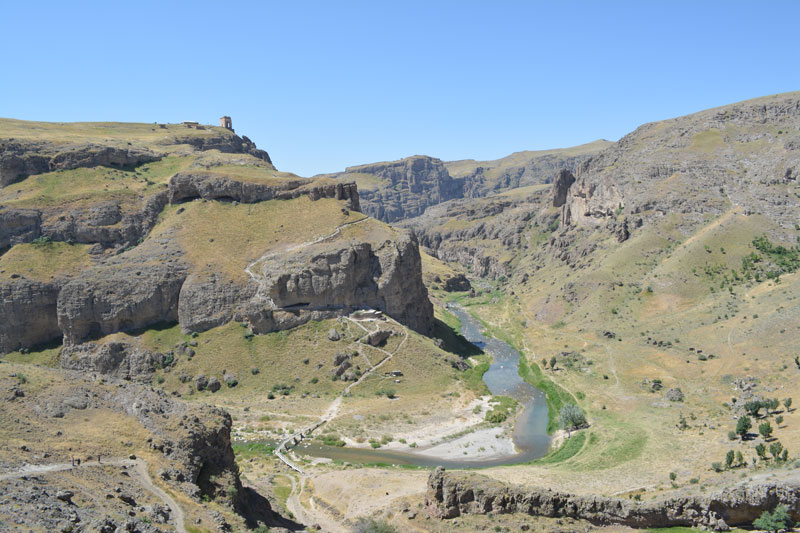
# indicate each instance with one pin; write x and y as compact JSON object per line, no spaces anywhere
{"x":226,"y":122}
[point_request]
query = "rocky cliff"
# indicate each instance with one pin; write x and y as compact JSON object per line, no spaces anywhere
{"x":403,"y":189}
{"x":741,"y":155}
{"x":138,"y":277}
{"x":452,"y":494}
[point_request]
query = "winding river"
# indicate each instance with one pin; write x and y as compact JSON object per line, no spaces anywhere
{"x":530,"y":429}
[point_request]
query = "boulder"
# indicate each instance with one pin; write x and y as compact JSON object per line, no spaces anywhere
{"x":333,"y":335}
{"x":213,"y":384}
{"x":675,"y":395}
{"x":118,"y":359}
{"x":457,"y":283}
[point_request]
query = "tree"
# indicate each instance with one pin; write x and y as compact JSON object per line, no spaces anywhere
{"x":753,"y":407}
{"x":739,"y":459}
{"x":544,"y":362}
{"x":772,"y":405}
{"x":729,"y":457}
{"x":765,"y":429}
{"x":571,"y":417}
{"x":743,"y":426}
{"x":761,"y":450}
{"x":779,"y":519}
{"x":787,"y":403}
{"x":779,"y":419}
{"x":775,"y":449}
{"x":553,"y":363}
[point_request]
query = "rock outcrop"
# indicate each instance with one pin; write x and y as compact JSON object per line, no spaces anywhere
{"x":27,"y":313}
{"x":126,"y":294}
{"x":335,"y":278}
{"x":564,"y":180}
{"x":224,"y":142}
{"x":19,"y":226}
{"x":19,"y":160}
{"x":212,"y":186}
{"x":117,"y":359}
{"x":450,"y":495}
{"x":696,"y":165}
{"x":406,"y":187}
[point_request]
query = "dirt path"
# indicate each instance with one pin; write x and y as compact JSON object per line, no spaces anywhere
{"x":143,"y":475}
{"x":139,"y":469}
{"x":294,"y":503}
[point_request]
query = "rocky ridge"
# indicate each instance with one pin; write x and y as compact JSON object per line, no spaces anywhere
{"x":450,"y":495}
{"x":139,"y":280}
{"x":400,"y":190}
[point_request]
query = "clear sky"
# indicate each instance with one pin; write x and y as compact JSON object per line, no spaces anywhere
{"x":324,"y":85}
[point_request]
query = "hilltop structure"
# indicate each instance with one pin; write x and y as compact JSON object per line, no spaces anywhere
{"x":226,"y":122}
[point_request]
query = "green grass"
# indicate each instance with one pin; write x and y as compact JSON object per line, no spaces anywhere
{"x":473,"y":378}
{"x":43,"y":355}
{"x":44,"y":260}
{"x":555,"y":395}
{"x":569,"y":449}
{"x":248,"y":450}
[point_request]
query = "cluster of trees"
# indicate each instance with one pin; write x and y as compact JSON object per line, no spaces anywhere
{"x":774,"y":521}
{"x":753,"y":408}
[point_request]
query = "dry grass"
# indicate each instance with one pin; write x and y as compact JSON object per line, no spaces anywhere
{"x":44,"y":261}
{"x":249,"y":230}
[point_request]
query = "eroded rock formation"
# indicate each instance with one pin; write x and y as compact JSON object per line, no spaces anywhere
{"x":452,"y":494}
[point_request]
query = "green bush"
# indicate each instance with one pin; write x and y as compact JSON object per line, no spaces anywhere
{"x":778,"y":519}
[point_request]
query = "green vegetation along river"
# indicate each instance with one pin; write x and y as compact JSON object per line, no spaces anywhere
{"x":530,"y":430}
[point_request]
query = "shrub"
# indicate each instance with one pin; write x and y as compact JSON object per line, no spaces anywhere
{"x":778,"y":519}
{"x":775,"y":449}
{"x":371,"y":525}
{"x":716,"y":466}
{"x":571,"y":417}
{"x":673,"y":476}
{"x":743,"y":426}
{"x":729,"y":457}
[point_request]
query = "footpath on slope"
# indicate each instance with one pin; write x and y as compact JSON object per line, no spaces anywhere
{"x":140,"y":471}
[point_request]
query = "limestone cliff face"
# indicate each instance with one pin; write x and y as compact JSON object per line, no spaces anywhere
{"x":407,"y":187}
{"x":27,"y":314}
{"x":128,"y":294}
{"x":211,"y":186}
{"x":19,"y":226}
{"x":741,"y":155}
{"x":450,"y":495}
{"x":19,"y":160}
{"x":344,"y":276}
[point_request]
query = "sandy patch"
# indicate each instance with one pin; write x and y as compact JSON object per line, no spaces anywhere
{"x":437,"y":429}
{"x":489,"y":443}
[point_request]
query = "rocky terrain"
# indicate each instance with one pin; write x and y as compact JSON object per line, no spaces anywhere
{"x":132,"y":274}
{"x":57,"y":469}
{"x":451,"y":495}
{"x":399,"y":190}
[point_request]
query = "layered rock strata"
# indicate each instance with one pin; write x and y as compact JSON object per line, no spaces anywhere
{"x":450,"y":495}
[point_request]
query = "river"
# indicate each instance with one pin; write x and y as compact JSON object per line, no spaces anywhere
{"x":530,"y":427}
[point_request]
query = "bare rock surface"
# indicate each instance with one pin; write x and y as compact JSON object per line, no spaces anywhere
{"x":450,"y":495}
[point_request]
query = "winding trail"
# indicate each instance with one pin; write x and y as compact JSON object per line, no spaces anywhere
{"x":333,"y":409}
{"x":139,"y":468}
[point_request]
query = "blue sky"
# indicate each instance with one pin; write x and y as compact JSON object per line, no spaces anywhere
{"x":323,"y":85}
